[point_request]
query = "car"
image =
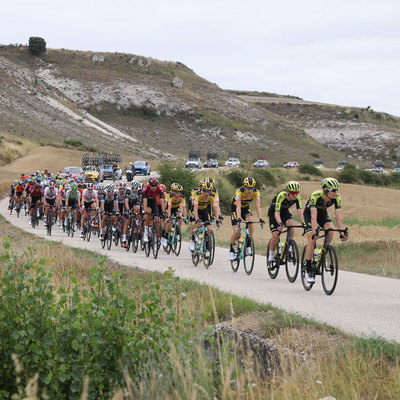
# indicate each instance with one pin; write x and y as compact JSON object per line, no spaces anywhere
{"x":92,"y":173}
{"x":292,"y":164}
{"x":396,"y":170}
{"x":340,"y":168}
{"x":72,"y":172}
{"x":107,"y":170}
{"x":211,"y":163}
{"x":141,"y":168}
{"x":232,"y":162}
{"x":193,"y":163}
{"x":319,"y":164}
{"x":261,"y":164}
{"x":378,"y":170}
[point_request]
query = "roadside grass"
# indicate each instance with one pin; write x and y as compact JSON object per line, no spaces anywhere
{"x":387,"y":221}
{"x":315,"y":360}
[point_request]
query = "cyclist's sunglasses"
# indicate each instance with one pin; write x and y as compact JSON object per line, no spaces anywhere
{"x":250,"y":188}
{"x":206,"y":191}
{"x":333,"y":190}
{"x":153,"y":185}
{"x":293,"y":193}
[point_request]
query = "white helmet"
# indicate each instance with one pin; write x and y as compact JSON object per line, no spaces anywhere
{"x":136,"y":185}
{"x":90,"y":185}
{"x":110,"y":187}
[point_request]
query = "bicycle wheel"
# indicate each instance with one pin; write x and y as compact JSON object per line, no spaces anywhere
{"x":135,"y":238}
{"x":155,"y":244}
{"x":49,"y":224}
{"x":104,"y":240}
{"x":68,"y":227}
{"x":142,"y":243}
{"x":196,"y":252}
{"x":177,"y":244}
{"x":148,"y":245}
{"x":109,"y":236}
{"x":236,"y":262}
{"x":329,"y":270}
{"x":88,"y":230}
{"x":272,"y":266}
{"x":206,"y":250}
{"x":212,"y":246}
{"x":170,"y":238}
{"x":18,"y":210}
{"x":292,"y":261}
{"x":307,"y":285}
{"x":248,"y":259}
{"x":72,"y":226}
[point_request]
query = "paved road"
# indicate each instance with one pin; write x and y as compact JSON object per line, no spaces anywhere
{"x":362,"y":304}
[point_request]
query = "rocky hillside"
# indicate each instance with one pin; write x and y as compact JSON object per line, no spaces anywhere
{"x":136,"y":105}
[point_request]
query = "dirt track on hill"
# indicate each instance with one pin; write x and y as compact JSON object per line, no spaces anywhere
{"x":362,"y":304}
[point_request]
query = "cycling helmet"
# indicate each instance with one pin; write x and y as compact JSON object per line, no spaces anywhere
{"x":122,"y":185}
{"x":293,"y":186}
{"x":67,"y":187}
{"x":90,"y":185}
{"x":163,"y":187}
{"x":21,"y":182}
{"x":207,"y":186}
{"x":329,"y":183}
{"x":100,"y":186}
{"x":110,"y":187}
{"x":74,"y":186}
{"x":249,"y":182}
{"x":211,"y":180}
{"x":37,"y":185}
{"x":180,"y":188}
{"x":52,"y":184}
{"x":15,"y":182}
{"x":136,"y":185}
{"x":174,"y":186}
{"x":153,"y":181}
{"x":201,"y":182}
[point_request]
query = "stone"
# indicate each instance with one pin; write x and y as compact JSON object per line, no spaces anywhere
{"x":177,"y":82}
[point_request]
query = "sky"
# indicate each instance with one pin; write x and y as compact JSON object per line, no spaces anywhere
{"x":344,"y":52}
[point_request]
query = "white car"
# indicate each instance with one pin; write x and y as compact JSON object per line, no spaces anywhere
{"x":232,"y":162}
{"x":193,"y":163}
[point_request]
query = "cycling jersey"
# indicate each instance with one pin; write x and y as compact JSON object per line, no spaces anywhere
{"x":50,"y":194}
{"x":173,"y":201}
{"x":202,"y":201}
{"x":149,"y":194}
{"x":245,"y":198}
{"x":120,"y":197}
{"x":89,"y":196}
{"x":73,"y":195}
{"x":316,"y":201}
{"x":280,"y":202}
{"x":19,"y":188}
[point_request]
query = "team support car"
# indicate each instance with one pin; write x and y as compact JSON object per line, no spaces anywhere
{"x":91,"y":173}
{"x":211,"y":163}
{"x":292,"y":164}
{"x":107,"y":170}
{"x":261,"y":164}
{"x":141,"y":168}
{"x":193,"y":163}
{"x":232,"y":162}
{"x":396,"y":170}
{"x":72,"y":172}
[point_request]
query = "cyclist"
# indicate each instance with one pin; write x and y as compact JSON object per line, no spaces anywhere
{"x":201,"y":213}
{"x":133,"y":204}
{"x":72,"y":201}
{"x":11,"y":194}
{"x":61,"y":202}
{"x":35,"y":195}
{"x":240,"y":210}
{"x":121,"y":195}
{"x":315,"y":213}
{"x":150,"y":193}
{"x":19,"y":190}
{"x":279,"y":214}
{"x":50,"y":196}
{"x":109,"y":205}
{"x":90,"y":203}
{"x":193,"y":193}
{"x":176,"y":206}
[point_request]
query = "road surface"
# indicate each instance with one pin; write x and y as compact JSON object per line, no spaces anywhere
{"x":362,"y":304}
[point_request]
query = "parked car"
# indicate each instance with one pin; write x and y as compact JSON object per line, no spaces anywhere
{"x":141,"y":168}
{"x":72,"y":172}
{"x":193,"y":163}
{"x":232,"y":162}
{"x":261,"y":164}
{"x":92,"y":173}
{"x":107,"y":171}
{"x":211,"y":163}
{"x":292,"y":164}
{"x":378,"y":170}
{"x":396,"y":170}
{"x":319,"y":164}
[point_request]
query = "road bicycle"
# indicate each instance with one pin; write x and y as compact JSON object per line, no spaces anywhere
{"x":204,"y":248}
{"x":286,"y":253}
{"x":133,"y":233}
{"x":245,"y":249}
{"x":35,"y":215}
{"x":174,"y":239}
{"x":324,"y":262}
{"x":70,"y":224}
{"x":153,"y":242}
{"x":108,"y":233}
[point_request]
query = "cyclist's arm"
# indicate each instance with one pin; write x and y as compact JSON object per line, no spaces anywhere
{"x":238,"y":208}
{"x":183,"y":209}
{"x":300,"y":212}
{"x":258,"y":208}
{"x":196,"y":211}
{"x":217,"y":211}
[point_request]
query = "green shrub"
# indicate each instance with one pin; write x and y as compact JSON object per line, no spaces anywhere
{"x":310,"y":170}
{"x":350,"y":174}
{"x":236,"y":177}
{"x":264,"y":177}
{"x":172,"y":172}
{"x":74,"y":143}
{"x":37,"y":45}
{"x":315,"y":155}
{"x":104,"y":330}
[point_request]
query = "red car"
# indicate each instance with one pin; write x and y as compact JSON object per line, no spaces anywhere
{"x":72,"y":172}
{"x":292,"y":164}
